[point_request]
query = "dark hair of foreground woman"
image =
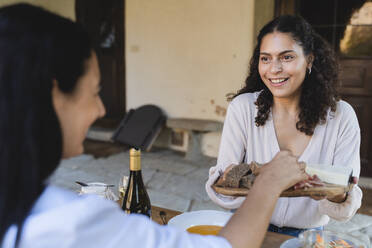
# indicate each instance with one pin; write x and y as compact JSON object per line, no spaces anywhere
{"x":33,"y":53}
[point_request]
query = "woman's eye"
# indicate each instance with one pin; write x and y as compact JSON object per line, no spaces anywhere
{"x":265,"y":59}
{"x":288,"y":57}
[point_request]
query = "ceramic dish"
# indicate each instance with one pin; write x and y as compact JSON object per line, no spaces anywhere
{"x":202,"y":217}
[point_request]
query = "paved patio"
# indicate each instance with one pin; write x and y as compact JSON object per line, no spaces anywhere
{"x":171,"y":182}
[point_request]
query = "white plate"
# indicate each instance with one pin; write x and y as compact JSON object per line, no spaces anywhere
{"x":202,"y":217}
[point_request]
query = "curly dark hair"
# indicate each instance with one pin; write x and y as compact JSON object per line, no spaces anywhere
{"x":318,"y":89}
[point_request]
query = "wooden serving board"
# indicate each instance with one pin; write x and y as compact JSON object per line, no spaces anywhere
{"x":329,"y":190}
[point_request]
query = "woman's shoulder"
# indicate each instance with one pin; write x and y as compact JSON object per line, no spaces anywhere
{"x":72,"y":219}
{"x":51,"y":197}
{"x":55,"y":199}
{"x":244,"y":105}
{"x":345,"y":113}
{"x":245,"y":99}
{"x":345,"y":110}
{"x":344,"y":107}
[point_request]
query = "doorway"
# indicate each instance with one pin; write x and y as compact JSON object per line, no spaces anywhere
{"x":104,"y":21}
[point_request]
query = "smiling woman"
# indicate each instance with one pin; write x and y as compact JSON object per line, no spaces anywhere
{"x":289,"y":102}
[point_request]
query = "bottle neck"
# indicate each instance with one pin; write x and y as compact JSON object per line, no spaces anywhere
{"x":135,"y":163}
{"x":135,"y":176}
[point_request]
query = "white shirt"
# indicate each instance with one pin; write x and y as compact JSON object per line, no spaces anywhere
{"x":334,"y":143}
{"x":63,"y":219}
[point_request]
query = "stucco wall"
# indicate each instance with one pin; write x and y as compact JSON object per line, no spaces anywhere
{"x":63,"y":7}
{"x":185,"y":56}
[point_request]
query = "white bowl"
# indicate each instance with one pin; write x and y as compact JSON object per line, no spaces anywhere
{"x":202,"y":217}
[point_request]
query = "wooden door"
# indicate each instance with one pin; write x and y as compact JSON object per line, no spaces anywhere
{"x":347,"y":26}
{"x":104,"y":20}
{"x":356,"y":89}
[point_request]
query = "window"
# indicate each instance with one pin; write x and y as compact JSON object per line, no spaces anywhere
{"x":346,"y":25}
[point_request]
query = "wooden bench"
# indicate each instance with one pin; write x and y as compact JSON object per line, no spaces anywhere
{"x":195,"y":128}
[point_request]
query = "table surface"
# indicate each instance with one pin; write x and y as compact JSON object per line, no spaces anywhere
{"x":272,"y":240}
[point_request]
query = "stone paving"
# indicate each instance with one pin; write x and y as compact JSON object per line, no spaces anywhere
{"x":171,"y":181}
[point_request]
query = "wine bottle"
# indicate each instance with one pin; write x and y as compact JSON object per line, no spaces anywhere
{"x":136,"y":200}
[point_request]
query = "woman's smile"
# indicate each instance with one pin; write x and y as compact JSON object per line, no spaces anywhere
{"x":277,"y":82}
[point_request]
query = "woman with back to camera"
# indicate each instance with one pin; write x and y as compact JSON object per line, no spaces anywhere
{"x":289,"y":102}
{"x":49,"y":96}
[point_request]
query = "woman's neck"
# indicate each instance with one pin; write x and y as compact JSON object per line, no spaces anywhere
{"x":288,"y":106}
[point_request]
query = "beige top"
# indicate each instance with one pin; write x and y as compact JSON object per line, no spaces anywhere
{"x":335,"y":143}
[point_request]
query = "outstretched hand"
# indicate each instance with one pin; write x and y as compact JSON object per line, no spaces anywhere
{"x":284,"y":171}
{"x":273,"y":178}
